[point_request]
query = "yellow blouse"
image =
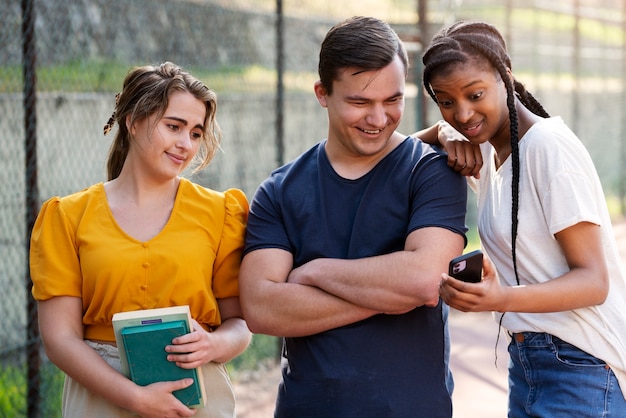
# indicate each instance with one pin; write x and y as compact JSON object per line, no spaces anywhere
{"x":78,"y":249}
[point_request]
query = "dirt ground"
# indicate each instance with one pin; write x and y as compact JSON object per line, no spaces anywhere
{"x":480,"y":387}
{"x":256,"y":392}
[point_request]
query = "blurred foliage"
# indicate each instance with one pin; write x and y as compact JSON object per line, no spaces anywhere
{"x":261,"y":348}
{"x":13,"y":386}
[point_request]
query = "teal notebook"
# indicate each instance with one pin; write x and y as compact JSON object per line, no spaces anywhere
{"x":147,"y":359}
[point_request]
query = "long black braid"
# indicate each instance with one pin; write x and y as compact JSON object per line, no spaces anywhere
{"x":475,"y":42}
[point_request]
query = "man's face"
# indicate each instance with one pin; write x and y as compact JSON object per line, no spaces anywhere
{"x":364,"y":109}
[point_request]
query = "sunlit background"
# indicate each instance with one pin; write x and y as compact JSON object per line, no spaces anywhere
{"x":62,"y":61}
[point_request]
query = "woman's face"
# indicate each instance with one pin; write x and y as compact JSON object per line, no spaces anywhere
{"x":164,"y":148}
{"x":472,"y":98}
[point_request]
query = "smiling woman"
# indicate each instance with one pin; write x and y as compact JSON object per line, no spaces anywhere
{"x":145,"y":239}
{"x":150,"y":99}
{"x":555,"y":283}
{"x":174,"y":138}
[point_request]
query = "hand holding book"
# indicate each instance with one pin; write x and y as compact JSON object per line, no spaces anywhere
{"x":141,"y":340}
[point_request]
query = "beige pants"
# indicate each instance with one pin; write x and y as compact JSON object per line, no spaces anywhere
{"x":78,"y":402}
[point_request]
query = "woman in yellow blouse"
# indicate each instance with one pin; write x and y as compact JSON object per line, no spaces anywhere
{"x":146,"y":238}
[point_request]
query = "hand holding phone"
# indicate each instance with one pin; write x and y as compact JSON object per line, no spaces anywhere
{"x":467,"y":267}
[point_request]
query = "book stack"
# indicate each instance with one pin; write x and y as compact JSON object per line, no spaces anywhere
{"x":141,"y":338}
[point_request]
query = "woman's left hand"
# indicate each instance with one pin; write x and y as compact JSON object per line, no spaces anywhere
{"x":194,"y":349}
{"x":486,"y":295}
{"x":226,"y":342}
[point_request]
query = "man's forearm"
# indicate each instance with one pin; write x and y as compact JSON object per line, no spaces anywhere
{"x":294,"y":310}
{"x":381,"y":283}
{"x":394,"y":282}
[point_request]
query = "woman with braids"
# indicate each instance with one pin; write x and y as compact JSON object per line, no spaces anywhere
{"x":146,"y":238}
{"x":556,"y":283}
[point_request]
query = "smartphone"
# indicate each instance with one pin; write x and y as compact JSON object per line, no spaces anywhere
{"x":467,"y":267}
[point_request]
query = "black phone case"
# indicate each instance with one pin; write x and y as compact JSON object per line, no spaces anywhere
{"x":467,"y":267}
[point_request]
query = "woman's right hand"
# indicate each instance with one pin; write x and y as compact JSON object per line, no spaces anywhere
{"x":157,"y":400}
{"x":463,"y":156}
{"x":486,"y":295}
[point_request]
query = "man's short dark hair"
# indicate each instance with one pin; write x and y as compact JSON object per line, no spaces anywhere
{"x":361,"y":42}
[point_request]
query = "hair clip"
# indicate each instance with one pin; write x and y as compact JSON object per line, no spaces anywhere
{"x":109,"y":125}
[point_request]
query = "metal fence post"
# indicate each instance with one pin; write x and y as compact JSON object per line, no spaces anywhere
{"x":32,"y":197}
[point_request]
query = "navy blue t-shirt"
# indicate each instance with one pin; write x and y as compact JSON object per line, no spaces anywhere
{"x":386,"y":365}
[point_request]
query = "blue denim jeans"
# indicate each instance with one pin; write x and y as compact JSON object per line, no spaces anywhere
{"x":549,"y":377}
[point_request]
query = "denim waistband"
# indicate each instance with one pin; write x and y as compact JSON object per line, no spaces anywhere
{"x":534,"y":339}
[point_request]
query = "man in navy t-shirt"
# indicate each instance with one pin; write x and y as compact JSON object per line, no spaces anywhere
{"x":346,"y":245}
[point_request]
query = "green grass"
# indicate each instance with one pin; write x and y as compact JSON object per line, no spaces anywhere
{"x":105,"y":76}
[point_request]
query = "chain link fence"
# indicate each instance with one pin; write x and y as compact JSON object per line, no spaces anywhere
{"x":61,"y":63}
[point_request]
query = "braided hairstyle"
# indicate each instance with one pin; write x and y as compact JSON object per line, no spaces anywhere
{"x":480,"y":43}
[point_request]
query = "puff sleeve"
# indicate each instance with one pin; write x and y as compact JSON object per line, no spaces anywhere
{"x":54,"y":262}
{"x":229,"y":253}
